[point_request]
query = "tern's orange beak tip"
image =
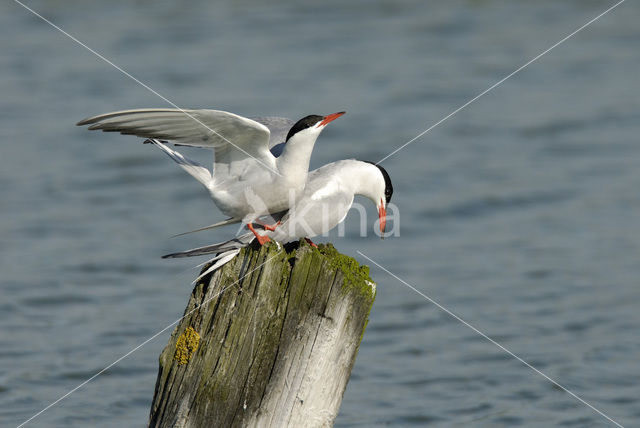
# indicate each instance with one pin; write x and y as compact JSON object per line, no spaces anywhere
{"x":382,"y":215}
{"x":331,"y":117}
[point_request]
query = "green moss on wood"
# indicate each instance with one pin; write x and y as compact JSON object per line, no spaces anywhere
{"x":250,"y":313}
{"x":355,"y":276}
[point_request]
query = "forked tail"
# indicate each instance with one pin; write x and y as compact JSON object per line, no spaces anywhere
{"x":232,"y":244}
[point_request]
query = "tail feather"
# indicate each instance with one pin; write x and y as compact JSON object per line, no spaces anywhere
{"x":230,"y":220}
{"x":220,"y":260}
{"x":232,"y":244}
{"x":196,"y":170}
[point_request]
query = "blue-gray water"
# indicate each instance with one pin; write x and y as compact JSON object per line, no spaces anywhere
{"x":520,"y":213}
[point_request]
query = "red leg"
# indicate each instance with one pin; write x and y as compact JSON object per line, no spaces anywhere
{"x":261,"y":239}
{"x":269,"y":227}
{"x":310,"y":242}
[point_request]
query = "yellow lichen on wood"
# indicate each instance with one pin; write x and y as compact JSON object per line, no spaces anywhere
{"x":186,"y":345}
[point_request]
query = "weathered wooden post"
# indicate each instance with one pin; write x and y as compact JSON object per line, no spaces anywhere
{"x":269,"y":340}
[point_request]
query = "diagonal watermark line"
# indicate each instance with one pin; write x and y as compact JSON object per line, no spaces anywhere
{"x":120,"y":69}
{"x":143,"y":343}
{"x":489,"y":339}
{"x":499,"y":82}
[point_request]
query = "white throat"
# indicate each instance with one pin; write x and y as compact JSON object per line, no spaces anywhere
{"x":294,"y":160}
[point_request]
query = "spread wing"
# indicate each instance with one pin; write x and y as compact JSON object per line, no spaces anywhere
{"x":279,"y":128}
{"x":232,"y":137}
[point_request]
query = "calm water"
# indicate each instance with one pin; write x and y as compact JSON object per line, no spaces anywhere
{"x":519,"y":214}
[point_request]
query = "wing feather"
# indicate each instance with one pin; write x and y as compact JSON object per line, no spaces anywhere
{"x":231,"y":134}
{"x":279,"y":128}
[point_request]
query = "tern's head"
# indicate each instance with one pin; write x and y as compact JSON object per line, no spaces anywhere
{"x":380,"y":191}
{"x":311,"y":126}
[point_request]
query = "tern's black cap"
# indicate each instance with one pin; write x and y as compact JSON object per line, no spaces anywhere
{"x":304,"y":123}
{"x":388,"y":187}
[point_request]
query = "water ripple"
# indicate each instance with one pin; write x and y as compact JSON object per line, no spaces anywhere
{"x":488,"y":205}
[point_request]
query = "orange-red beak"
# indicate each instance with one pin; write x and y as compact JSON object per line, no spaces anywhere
{"x":331,"y":117}
{"x":382,"y":215}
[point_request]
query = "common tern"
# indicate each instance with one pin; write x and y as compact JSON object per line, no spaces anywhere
{"x":248,"y":180}
{"x":325,"y":202}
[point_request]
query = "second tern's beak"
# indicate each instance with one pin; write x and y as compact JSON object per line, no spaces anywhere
{"x":382,"y":215}
{"x":331,"y":117}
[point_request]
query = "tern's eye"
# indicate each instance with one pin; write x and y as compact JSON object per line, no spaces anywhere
{"x":303,"y":123}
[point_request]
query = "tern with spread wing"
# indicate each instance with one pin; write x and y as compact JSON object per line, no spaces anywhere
{"x":325,"y":202}
{"x":260,"y":165}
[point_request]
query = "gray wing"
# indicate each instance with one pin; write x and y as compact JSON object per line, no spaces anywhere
{"x":279,"y":128}
{"x":323,"y":205}
{"x":232,"y":136}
